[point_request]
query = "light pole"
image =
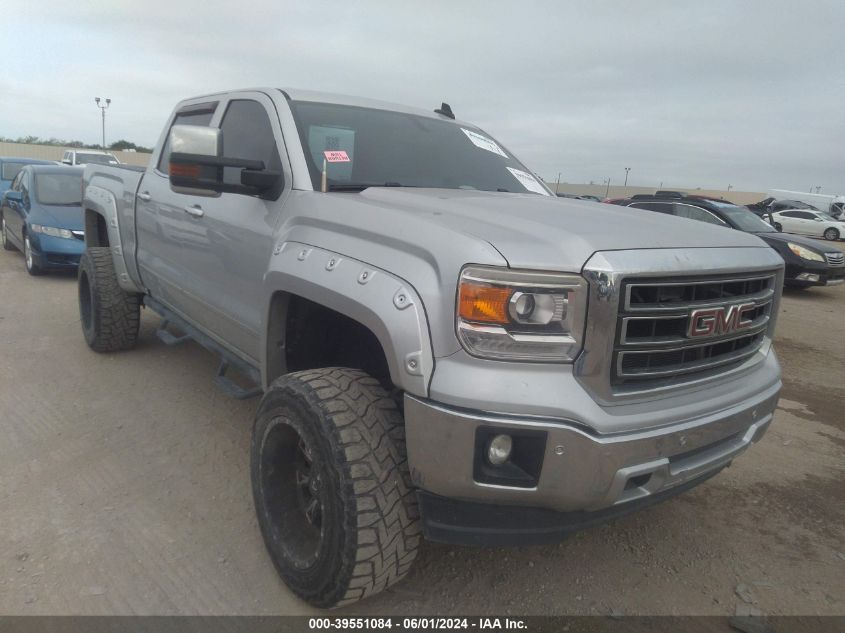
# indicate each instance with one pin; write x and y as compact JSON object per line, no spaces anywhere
{"x":557,"y":184}
{"x":607,"y":190}
{"x":103,"y":109}
{"x":627,"y":169}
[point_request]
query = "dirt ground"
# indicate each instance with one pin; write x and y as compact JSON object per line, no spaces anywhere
{"x":124,"y":489}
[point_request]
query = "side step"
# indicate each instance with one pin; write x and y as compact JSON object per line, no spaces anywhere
{"x":228,"y":360}
{"x":230,"y":387}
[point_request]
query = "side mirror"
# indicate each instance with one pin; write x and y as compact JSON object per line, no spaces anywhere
{"x":818,"y":219}
{"x":67,"y":161}
{"x":198,"y":167}
{"x":14,"y":196}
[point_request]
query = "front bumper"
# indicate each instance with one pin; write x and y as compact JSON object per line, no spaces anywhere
{"x":805,"y":273}
{"x":56,"y":252}
{"x":468,"y":523}
{"x":580,"y":471}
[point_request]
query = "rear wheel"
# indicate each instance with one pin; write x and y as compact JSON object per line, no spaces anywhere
{"x":778,"y":227}
{"x":4,"y":236}
{"x":831,"y":234}
{"x":110,"y":316}
{"x":331,"y":485}
{"x":32,"y":267}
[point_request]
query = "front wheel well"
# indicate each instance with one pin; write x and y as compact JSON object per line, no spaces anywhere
{"x":96,"y":229}
{"x":303,"y":334}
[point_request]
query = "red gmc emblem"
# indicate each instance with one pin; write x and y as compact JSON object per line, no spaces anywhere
{"x":719,"y":321}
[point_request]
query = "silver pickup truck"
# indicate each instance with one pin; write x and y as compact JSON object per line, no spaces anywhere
{"x":443,"y":349}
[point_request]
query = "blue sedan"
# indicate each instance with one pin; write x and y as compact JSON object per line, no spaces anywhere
{"x":41,"y":215}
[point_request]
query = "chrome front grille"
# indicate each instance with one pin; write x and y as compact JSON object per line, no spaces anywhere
{"x":836,"y":258}
{"x":669,"y":331}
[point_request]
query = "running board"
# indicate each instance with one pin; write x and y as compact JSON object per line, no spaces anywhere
{"x":228,"y":360}
{"x":166,"y":337}
{"x":230,"y":387}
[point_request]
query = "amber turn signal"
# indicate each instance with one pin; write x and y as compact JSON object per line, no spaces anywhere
{"x":186,"y":171}
{"x":482,"y":303}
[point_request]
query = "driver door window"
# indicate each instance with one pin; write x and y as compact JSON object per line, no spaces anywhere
{"x":247,"y":134}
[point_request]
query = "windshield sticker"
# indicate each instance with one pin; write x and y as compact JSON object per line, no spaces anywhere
{"x":484,"y":143}
{"x":528,"y":181}
{"x":337,"y":156}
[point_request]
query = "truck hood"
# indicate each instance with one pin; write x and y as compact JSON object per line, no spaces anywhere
{"x":533,"y":231}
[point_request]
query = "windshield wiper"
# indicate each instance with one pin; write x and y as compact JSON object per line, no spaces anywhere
{"x":360,"y":186}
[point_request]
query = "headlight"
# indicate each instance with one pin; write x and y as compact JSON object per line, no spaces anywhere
{"x":521,"y":315}
{"x":805,"y":253}
{"x":52,"y":231}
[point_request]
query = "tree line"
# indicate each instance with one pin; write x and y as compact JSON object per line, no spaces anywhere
{"x":120,"y":145}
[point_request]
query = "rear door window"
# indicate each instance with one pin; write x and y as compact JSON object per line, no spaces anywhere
{"x":696,"y":213}
{"x":661,"y":207}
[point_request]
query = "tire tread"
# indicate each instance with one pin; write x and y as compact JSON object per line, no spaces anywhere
{"x":367,"y":438}
{"x":116,"y":314}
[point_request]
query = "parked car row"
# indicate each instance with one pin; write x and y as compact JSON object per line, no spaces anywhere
{"x":41,"y":208}
{"x":808,"y":261}
{"x":41,"y":216}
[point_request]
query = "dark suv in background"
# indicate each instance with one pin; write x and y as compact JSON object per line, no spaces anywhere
{"x":809,"y":262}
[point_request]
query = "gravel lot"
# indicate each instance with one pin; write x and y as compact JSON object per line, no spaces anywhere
{"x":124,"y":489}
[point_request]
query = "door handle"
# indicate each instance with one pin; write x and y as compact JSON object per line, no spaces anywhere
{"x":195,"y":210}
{"x":145,"y":196}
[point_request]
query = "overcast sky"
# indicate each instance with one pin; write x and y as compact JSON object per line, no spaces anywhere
{"x":695,"y":94}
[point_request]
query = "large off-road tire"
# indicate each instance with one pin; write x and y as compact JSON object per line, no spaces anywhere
{"x":331,"y":485}
{"x":4,"y":236}
{"x":110,"y":316}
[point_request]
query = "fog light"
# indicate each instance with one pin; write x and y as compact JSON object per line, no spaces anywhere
{"x":499,"y":449}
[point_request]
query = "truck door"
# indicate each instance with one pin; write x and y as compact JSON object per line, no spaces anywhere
{"x":219,"y":246}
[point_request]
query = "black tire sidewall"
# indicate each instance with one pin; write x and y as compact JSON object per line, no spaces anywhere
{"x":326,"y":580}
{"x":86,"y":270}
{"x":832,"y":232}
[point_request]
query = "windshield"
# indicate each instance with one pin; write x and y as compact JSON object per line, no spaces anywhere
{"x":742,"y":218}
{"x":10,"y":170}
{"x":100,"y":159}
{"x":58,"y":189}
{"x":371,"y":147}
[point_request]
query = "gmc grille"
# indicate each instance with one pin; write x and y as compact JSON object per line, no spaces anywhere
{"x":653,"y":336}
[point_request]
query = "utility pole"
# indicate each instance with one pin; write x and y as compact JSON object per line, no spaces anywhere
{"x":607,"y":190}
{"x":627,"y":169}
{"x":103,"y":109}
{"x":557,"y":184}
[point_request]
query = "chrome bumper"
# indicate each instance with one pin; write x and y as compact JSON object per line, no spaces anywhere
{"x":580,"y":470}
